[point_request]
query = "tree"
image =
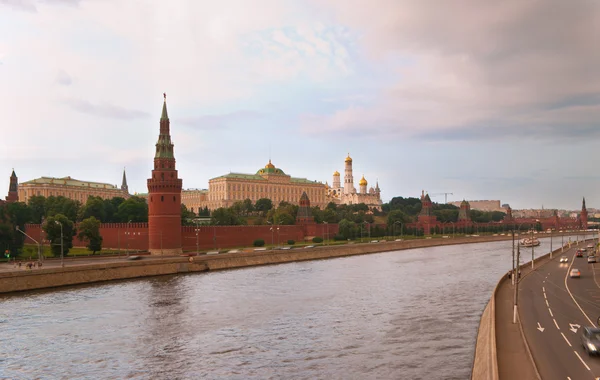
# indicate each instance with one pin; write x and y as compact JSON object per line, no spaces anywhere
{"x":94,"y":206}
{"x":263,"y":205}
{"x":248,"y":206}
{"x":7,"y":233}
{"x":134,"y":209}
{"x":187,"y":216}
{"x":225,"y":217}
{"x":37,"y":204}
{"x":18,"y":214}
{"x":52,"y":230}
{"x":89,"y":231}
{"x":62,"y":205}
{"x":348,"y":229}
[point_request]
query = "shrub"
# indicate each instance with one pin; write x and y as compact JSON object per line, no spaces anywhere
{"x":291,"y":242}
{"x":317,"y":239}
{"x":259,"y":243}
{"x":339,"y":238}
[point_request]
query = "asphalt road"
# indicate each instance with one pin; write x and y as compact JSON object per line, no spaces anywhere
{"x":553,"y":309}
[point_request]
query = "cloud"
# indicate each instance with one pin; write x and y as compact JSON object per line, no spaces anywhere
{"x":105,"y":110}
{"x":483,"y":65}
{"x":31,"y":5}
{"x":63,"y":78}
{"x":207,"y":122}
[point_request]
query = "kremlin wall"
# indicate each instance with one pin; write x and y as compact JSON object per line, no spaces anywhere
{"x":164,"y":235}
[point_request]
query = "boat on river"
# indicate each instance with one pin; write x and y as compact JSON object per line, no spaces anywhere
{"x":529,"y":242}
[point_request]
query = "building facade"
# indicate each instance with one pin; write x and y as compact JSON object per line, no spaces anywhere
{"x":268,"y":182}
{"x":347,"y":193}
{"x":483,"y":205}
{"x":70,"y":188}
{"x":164,"y":195}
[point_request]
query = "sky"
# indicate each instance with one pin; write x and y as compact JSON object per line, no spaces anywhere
{"x":482,"y":99}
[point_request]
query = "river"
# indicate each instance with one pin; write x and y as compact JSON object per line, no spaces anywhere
{"x":408,"y":314}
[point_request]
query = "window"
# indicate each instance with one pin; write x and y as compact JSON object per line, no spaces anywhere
{"x":151,"y":199}
{"x":162,"y":198}
{"x":162,"y":176}
{"x":174,"y":199}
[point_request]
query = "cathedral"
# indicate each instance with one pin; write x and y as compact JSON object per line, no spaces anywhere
{"x":347,"y":194}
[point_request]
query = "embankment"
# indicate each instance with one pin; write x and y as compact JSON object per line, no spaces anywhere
{"x":119,"y":269}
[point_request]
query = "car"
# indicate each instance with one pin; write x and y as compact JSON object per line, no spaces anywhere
{"x":590,"y":246}
{"x":591,"y":259}
{"x":582,"y":250}
{"x":564,"y":259}
{"x":575,"y":273}
{"x":579,"y":254}
{"x":590,"y":340}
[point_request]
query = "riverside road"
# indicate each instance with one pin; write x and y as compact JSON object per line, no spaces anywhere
{"x":409,"y":314}
{"x":553,"y":309}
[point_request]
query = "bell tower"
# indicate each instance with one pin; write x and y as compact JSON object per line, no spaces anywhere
{"x":164,"y":195}
{"x":584,"y":216}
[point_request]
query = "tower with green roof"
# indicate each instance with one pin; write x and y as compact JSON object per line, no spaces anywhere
{"x":164,"y":195}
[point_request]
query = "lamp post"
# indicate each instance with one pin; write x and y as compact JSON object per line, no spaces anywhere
{"x":272,"y":236}
{"x":62,"y":256}
{"x":550,"y":243}
{"x":401,"y":228}
{"x":278,"y":237}
{"x":36,"y":242}
{"x":562,"y":241}
{"x":452,"y":229}
{"x":327,"y":235}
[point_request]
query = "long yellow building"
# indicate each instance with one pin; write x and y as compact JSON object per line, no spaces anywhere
{"x":71,"y":188}
{"x":268,"y":182}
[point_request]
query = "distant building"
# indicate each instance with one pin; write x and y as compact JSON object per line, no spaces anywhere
{"x":70,"y":188}
{"x":483,"y":205}
{"x":268,"y":182}
{"x":347,"y":194}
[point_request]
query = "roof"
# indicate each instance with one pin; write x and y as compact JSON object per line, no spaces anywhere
{"x":256,"y":177}
{"x":164,"y":114}
{"x":68,"y":181}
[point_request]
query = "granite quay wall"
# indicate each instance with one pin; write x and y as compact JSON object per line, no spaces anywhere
{"x":72,"y":274}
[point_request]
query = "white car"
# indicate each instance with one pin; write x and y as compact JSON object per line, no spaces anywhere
{"x":564,"y":259}
{"x":575,"y":273}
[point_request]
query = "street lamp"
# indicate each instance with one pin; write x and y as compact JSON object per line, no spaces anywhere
{"x":516,"y":275}
{"x":277,"y":237}
{"x":401,"y":228}
{"x":272,"y":234}
{"x":36,"y":242}
{"x":197,"y":242}
{"x":452,"y":229}
{"x":327,"y":230}
{"x":62,"y":256}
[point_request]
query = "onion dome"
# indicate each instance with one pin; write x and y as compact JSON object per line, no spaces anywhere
{"x":269,"y":165}
{"x":336,"y":173}
{"x":348,"y":159}
{"x":363,"y":181}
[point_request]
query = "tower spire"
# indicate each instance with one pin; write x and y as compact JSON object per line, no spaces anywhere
{"x":124,"y":186}
{"x":583,"y":204}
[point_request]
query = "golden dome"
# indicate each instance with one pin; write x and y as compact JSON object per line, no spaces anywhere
{"x":348,"y":159}
{"x":269,"y":165}
{"x":336,"y":173}
{"x":363,"y":181}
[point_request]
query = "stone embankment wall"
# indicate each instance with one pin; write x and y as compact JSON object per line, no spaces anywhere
{"x":120,"y":269}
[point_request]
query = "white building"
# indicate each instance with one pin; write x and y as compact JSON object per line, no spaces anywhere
{"x":347,"y":193}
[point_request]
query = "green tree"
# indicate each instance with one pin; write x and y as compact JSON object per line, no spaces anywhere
{"x":53,"y":233}
{"x":225,"y":217}
{"x":348,"y":229}
{"x":134,"y":209}
{"x":263,"y":205}
{"x":94,"y":206}
{"x":18,"y":214}
{"x":89,"y":231}
{"x":37,"y":204}
{"x":248,"y":207}
{"x":7,"y":233}
{"x":187,"y":216}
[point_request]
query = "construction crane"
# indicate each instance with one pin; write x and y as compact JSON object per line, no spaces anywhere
{"x":444,"y":194}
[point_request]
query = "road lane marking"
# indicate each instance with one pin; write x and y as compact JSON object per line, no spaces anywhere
{"x":540,"y":327}
{"x":586,"y":366}
{"x":569,"y":343}
{"x":574,"y":327}
{"x":544,"y":289}
{"x":550,"y":310}
{"x":545,"y":296}
{"x":547,"y":304}
{"x":571,"y":294}
{"x":556,"y":323}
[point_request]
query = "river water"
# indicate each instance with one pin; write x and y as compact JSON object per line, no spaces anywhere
{"x":408,"y":314}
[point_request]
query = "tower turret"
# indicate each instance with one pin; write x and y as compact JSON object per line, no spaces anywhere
{"x":336,"y":180}
{"x":348,"y":179}
{"x":464,"y":214}
{"x":164,"y":195}
{"x":124,"y":186}
{"x":363,"y":185}
{"x":584,"y":216}
{"x":13,"y":188}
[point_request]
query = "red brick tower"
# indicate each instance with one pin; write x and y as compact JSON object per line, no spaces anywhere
{"x":13,"y":194}
{"x":304,"y":215}
{"x":584,"y":216}
{"x":164,"y":196}
{"x":426,"y":219}
{"x":464,"y":214}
